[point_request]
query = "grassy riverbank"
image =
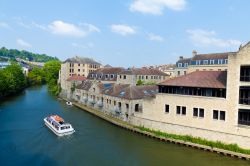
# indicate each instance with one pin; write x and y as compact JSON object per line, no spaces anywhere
{"x":197,"y":140}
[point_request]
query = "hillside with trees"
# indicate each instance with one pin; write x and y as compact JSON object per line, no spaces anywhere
{"x":25,"y":55}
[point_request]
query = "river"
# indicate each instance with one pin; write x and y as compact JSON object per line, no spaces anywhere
{"x":25,"y":140}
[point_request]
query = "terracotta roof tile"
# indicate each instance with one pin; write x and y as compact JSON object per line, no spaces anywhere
{"x":201,"y":79}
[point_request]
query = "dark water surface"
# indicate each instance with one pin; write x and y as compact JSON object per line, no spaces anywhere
{"x":25,"y":140}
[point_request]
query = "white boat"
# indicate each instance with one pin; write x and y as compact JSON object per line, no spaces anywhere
{"x":69,"y":103}
{"x":58,"y":126}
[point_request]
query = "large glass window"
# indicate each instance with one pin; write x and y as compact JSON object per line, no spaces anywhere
{"x":245,"y":73}
{"x":244,"y":117}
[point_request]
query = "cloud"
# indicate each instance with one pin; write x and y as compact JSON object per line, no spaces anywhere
{"x":83,"y":46}
{"x":123,"y":30}
{"x":205,"y":38}
{"x":154,"y":37}
{"x":156,"y":7}
{"x":67,"y":29}
{"x":23,"y":43}
{"x":4,"y":25}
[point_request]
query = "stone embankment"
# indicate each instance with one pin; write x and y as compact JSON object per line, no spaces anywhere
{"x":134,"y":129}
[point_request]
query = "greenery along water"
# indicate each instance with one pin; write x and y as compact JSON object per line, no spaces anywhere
{"x":25,"y":140}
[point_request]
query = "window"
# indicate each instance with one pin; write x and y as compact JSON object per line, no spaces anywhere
{"x":195,"y":112}
{"x":83,"y":70}
{"x":78,"y":70}
{"x":244,"y":117}
{"x":166,"y":108}
{"x":222,"y":115}
{"x":205,"y":62}
{"x":185,"y":72}
{"x":106,"y":76}
{"x":216,"y":114}
{"x":137,"y":108}
{"x":142,"y":77}
{"x":146,"y":77}
{"x":198,"y":112}
{"x":198,"y":62}
{"x":124,"y":77}
{"x":220,"y":61}
{"x":226,"y":61}
{"x":79,"y":64}
{"x":244,"y":95}
{"x":179,"y":73}
{"x":212,"y":62}
{"x":120,"y":76}
{"x":111,"y":76}
{"x":179,"y":64}
{"x":201,"y":112}
{"x":219,"y":115}
{"x":180,"y":110}
{"x":185,"y":64}
{"x":245,"y":73}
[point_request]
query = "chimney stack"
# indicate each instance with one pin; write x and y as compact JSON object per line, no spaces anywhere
{"x":194,"y":52}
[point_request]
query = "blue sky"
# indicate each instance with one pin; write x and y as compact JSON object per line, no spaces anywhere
{"x":124,"y":32}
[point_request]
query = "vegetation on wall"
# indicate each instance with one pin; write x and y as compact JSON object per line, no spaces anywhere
{"x":14,"y":53}
{"x":12,"y":80}
{"x":140,"y":82}
{"x":197,"y":140}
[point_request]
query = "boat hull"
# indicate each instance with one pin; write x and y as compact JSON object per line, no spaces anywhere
{"x":56,"y":131}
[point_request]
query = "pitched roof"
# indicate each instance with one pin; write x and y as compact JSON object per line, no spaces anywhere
{"x":184,"y":60}
{"x":212,"y":56}
{"x":201,"y":79}
{"x":100,"y":74}
{"x":143,"y":71}
{"x":86,"y":85}
{"x":131,"y":92}
{"x":82,"y":60}
{"x":76,"y":78}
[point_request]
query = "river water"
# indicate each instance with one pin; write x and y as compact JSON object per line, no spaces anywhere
{"x":25,"y":140}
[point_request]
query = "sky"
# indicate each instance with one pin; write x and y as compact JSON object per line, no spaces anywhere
{"x":124,"y":32}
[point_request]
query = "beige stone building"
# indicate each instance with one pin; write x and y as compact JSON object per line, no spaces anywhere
{"x":202,"y":62}
{"x":105,"y":75}
{"x":133,"y":75}
{"x":214,"y":105}
{"x":118,"y":100}
{"x":76,"y":66}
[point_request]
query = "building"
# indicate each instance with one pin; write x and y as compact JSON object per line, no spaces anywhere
{"x":213,"y":105}
{"x":105,"y":75}
{"x":133,"y":75}
{"x":182,"y":66}
{"x":118,"y":100}
{"x":202,"y":62}
{"x":78,"y":66}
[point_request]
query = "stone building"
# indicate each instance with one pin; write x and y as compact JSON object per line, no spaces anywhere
{"x":118,"y":100}
{"x":202,"y":62}
{"x":214,"y":105}
{"x":133,"y":75}
{"x":105,"y":75}
{"x":78,"y":66}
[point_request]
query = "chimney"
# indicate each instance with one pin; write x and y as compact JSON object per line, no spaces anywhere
{"x":180,"y":57}
{"x":194,"y":52}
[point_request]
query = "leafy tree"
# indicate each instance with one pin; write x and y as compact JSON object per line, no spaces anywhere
{"x":12,"y":80}
{"x":51,"y":69}
{"x":14,"y":53}
{"x":139,"y":82}
{"x":36,"y":76}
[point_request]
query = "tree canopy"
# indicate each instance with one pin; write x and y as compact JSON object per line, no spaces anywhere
{"x":14,"y":53}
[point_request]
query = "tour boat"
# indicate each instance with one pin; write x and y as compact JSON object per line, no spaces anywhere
{"x":69,"y":103}
{"x":58,"y":126}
